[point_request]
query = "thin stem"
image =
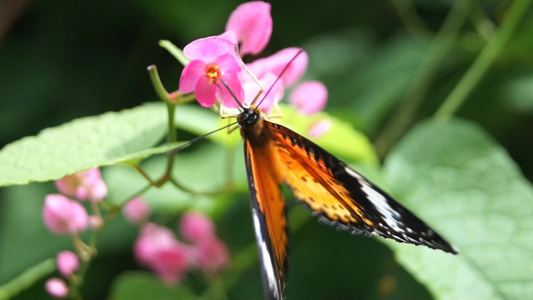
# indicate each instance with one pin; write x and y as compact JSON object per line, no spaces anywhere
{"x":179,"y":185}
{"x":169,"y":98}
{"x":440,"y":46}
{"x":483,"y":24}
{"x":483,"y":61}
{"x":175,"y":51}
{"x":27,"y":279}
{"x":158,"y":85}
{"x":88,"y":252}
{"x":143,"y":173}
{"x":172,"y":134}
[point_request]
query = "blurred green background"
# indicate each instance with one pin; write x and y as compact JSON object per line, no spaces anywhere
{"x":63,"y":60}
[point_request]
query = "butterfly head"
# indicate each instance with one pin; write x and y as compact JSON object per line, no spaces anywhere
{"x":249,"y":117}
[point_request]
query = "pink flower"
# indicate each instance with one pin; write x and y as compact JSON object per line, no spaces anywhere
{"x":319,"y":128}
{"x":151,"y":239}
{"x":67,"y":263}
{"x":265,"y":101}
{"x":63,"y":216}
{"x":212,"y":59}
{"x":56,"y":287}
{"x":276,"y":62}
{"x":309,"y":97}
{"x":157,"y":248}
{"x":252,"y":24}
{"x":136,"y":210}
{"x":195,"y":226}
{"x":84,"y":185}
{"x":212,"y":254}
{"x":172,"y":263}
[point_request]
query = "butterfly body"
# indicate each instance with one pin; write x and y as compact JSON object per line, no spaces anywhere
{"x":331,"y":189}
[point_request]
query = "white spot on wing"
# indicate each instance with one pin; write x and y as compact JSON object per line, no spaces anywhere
{"x":266,"y":258}
{"x":390,"y":216}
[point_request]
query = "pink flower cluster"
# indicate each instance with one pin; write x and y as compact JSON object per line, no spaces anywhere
{"x":215,"y":66}
{"x":158,"y":249}
{"x":66,"y":216}
{"x":62,"y":215}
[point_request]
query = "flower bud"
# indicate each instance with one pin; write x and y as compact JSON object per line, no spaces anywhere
{"x":84,"y":185}
{"x":56,"y":287}
{"x":67,"y":263}
{"x":319,"y":128}
{"x":195,"y":226}
{"x":309,"y":97}
{"x":136,"y":210}
{"x":64,"y":216}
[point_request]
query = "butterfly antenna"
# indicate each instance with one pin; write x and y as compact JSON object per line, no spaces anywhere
{"x":279,"y":77}
{"x":196,"y":139}
{"x":241,"y":107}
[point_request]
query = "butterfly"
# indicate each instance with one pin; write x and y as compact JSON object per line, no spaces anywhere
{"x":338,"y":194}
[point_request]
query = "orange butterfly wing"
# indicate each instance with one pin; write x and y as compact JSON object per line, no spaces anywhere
{"x":343,"y":197}
{"x":330,"y":188}
{"x":268,"y":213}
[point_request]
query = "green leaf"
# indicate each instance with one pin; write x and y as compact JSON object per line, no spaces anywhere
{"x":200,"y":120}
{"x":143,"y":285}
{"x":466,"y":186}
{"x":84,"y":143}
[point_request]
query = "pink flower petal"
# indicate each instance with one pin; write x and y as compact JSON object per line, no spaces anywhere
{"x":205,"y":92}
{"x":228,"y":64}
{"x":276,"y":62}
{"x":63,"y":216}
{"x":91,"y":176}
{"x":68,"y":185}
{"x":98,"y":191}
{"x":172,"y":263}
{"x":195,"y":226}
{"x":83,"y":185}
{"x":192,"y":72}
{"x":81,"y":193}
{"x":212,"y":254}
{"x":67,"y":263}
{"x":56,"y":287}
{"x":266,"y":101}
{"x":234,"y":83}
{"x":230,"y":36}
{"x":136,"y":211}
{"x":208,"y":49}
{"x":319,"y":128}
{"x":152,"y":239}
{"x":252,"y":23}
{"x":309,"y":97}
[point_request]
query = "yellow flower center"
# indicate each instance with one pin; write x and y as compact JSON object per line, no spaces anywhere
{"x":213,"y":73}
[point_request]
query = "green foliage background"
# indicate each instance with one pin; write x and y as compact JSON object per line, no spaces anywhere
{"x":469,"y":177}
